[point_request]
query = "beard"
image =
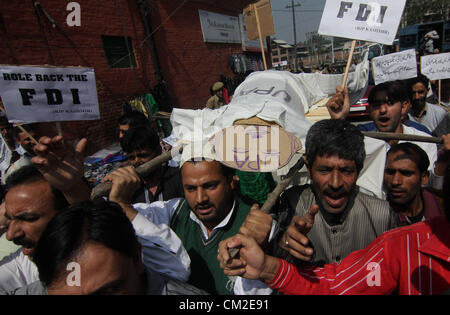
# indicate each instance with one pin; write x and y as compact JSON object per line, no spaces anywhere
{"x":417,"y":106}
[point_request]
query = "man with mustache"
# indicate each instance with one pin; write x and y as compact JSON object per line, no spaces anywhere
{"x":405,"y":174}
{"x":142,"y":144}
{"x":35,"y":196}
{"x":411,"y":260}
{"x":210,"y":212}
{"x":423,"y":112}
{"x":347,"y":219}
{"x":388,"y":102}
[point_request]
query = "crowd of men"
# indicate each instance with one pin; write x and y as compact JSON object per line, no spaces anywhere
{"x":170,"y":232}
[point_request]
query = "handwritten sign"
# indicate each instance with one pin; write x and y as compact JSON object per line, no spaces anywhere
{"x":396,"y":66}
{"x":436,"y":67}
{"x":373,"y":21}
{"x":5,"y":154}
{"x":255,"y":148}
{"x":43,"y":94}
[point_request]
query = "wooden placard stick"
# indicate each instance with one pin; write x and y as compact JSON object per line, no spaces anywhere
{"x":274,"y":195}
{"x":258,"y":26}
{"x":439,"y":93}
{"x":103,"y":189}
{"x":401,"y":136}
{"x":349,"y":63}
{"x":21,"y":128}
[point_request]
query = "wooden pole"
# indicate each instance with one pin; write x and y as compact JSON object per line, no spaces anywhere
{"x":273,"y":196}
{"x":21,"y":128}
{"x":58,"y":128}
{"x":439,"y":93}
{"x":103,"y":189}
{"x":401,"y":136}
{"x":349,"y":62}
{"x":260,"y":36}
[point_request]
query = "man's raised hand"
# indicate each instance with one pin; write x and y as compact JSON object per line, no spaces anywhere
{"x":62,"y":166}
{"x":339,"y":105}
{"x":294,"y":239}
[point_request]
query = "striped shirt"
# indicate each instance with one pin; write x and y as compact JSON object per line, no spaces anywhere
{"x":410,"y":260}
{"x":364,"y":219}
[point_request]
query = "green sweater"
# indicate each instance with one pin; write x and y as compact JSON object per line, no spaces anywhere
{"x":206,"y":273}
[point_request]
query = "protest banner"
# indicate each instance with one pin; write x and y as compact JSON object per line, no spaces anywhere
{"x":259,"y":23}
{"x":45,"y":94}
{"x":436,"y":67}
{"x":5,"y":154}
{"x":264,"y":17}
{"x":374,"y":21}
{"x":396,"y":66}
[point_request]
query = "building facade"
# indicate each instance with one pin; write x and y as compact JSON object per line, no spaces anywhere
{"x":136,"y":47}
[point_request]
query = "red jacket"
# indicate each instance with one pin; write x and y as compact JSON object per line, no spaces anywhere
{"x":409,"y":260}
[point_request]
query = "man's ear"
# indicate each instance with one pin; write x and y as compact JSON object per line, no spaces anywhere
{"x":425,"y":176}
{"x":307,"y":167}
{"x":405,"y":107}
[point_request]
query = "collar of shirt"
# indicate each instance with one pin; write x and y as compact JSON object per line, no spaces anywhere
{"x":221,"y":224}
{"x":437,"y":244}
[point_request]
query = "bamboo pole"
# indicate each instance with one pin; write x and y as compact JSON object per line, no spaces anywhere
{"x":21,"y":128}
{"x":260,"y":36}
{"x":349,"y":62}
{"x":103,"y":189}
{"x":401,"y":136}
{"x":274,"y":195}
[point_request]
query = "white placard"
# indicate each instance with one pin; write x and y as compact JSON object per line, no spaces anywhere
{"x":5,"y":155}
{"x":219,"y":28}
{"x":374,"y":21}
{"x":396,"y":66}
{"x":436,"y":67}
{"x":43,"y":94}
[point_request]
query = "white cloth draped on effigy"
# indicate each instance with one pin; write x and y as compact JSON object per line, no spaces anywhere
{"x":279,"y":99}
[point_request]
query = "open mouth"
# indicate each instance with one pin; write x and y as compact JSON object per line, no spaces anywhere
{"x":383,"y":120}
{"x":335,"y":200}
{"x":204,"y":209}
{"x":27,"y":250}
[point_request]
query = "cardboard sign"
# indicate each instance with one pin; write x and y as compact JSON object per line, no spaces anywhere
{"x":255,"y":148}
{"x":396,"y":66}
{"x":43,"y":94}
{"x":436,"y":67}
{"x":247,"y":44}
{"x":265,"y":20}
{"x":5,"y":155}
{"x":373,"y":21}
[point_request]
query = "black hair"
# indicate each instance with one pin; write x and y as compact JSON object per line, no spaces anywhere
{"x":28,"y":174}
{"x":99,"y":221}
{"x":141,"y":138}
{"x":396,"y":91}
{"x":419,"y":79}
{"x":335,"y":137}
{"x":226,"y":170}
{"x":133,"y":119}
{"x":412,"y":152}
